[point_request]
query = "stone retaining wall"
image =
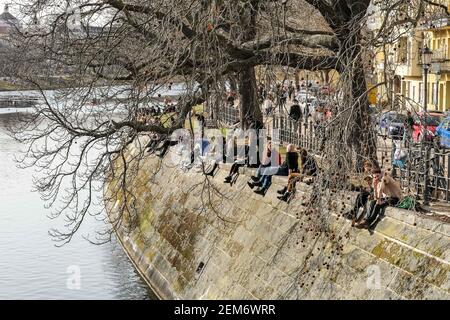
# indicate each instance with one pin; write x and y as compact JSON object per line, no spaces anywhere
{"x":245,"y":246}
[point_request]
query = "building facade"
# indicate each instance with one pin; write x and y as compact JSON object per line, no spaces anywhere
{"x":408,"y":81}
{"x":398,"y":69}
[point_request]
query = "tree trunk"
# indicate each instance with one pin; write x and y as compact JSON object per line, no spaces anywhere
{"x":363,"y":136}
{"x":248,"y":90}
{"x":297,"y":79}
{"x":250,"y":108}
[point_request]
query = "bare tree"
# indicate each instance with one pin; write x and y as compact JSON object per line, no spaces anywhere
{"x":137,"y":48}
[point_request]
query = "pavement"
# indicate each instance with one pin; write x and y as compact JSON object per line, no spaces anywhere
{"x":440,"y":208}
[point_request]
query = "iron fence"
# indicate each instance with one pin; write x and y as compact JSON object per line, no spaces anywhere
{"x":228,"y":115}
{"x":426,"y":170}
{"x":304,"y":134}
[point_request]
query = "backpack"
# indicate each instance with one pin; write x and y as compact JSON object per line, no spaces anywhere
{"x":408,"y":203}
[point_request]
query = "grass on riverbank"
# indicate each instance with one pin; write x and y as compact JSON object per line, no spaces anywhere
{"x":8,"y":86}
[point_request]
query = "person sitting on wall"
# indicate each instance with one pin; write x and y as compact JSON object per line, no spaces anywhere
{"x":212,"y":157}
{"x":309,"y":164}
{"x":365,"y":192}
{"x":240,"y":161}
{"x":292,"y":164}
{"x":199,"y":151}
{"x":268,"y":105}
{"x":295,"y":112}
{"x":264,"y":162}
{"x":153,"y":143}
{"x":309,"y":168}
{"x":270,"y":165}
{"x":387,"y":192}
{"x":164,"y":146}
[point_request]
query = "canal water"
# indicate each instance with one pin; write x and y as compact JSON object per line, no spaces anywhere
{"x":32,"y":267}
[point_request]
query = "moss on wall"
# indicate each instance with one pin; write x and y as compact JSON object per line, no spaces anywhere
{"x":249,"y":247}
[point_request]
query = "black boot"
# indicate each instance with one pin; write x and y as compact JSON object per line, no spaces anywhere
{"x":260,"y":191}
{"x":227,"y":179}
{"x":255,"y":179}
{"x":253,"y":184}
{"x":282,"y":191}
{"x":285,"y":197}
{"x":351,"y":215}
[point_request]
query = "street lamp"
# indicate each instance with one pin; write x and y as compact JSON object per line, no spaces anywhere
{"x":426,"y":65}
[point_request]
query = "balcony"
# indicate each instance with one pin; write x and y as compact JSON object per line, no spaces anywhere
{"x":440,"y":60}
{"x":435,"y":22}
{"x":440,"y":55}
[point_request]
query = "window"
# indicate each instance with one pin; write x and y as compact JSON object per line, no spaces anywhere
{"x":413,"y":93}
{"x":434,"y":94}
{"x":402,"y":50}
{"x":420,"y":93}
{"x":409,"y":53}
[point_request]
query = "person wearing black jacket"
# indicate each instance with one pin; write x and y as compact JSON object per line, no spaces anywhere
{"x":295,"y":113}
{"x":292,"y":165}
{"x":309,"y":168}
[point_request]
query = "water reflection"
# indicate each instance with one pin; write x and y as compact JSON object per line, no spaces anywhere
{"x":31,"y":267}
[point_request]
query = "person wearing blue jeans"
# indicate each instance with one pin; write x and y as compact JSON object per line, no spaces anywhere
{"x":270,"y":166}
{"x":263,"y":178}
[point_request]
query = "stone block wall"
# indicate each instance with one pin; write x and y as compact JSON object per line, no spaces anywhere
{"x":192,"y":243}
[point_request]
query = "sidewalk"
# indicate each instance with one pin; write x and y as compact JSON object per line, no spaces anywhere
{"x":439,"y":210}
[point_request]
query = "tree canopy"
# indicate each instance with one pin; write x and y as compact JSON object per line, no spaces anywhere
{"x":123,"y":51}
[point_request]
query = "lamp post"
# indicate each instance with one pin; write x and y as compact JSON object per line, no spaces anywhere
{"x":426,"y":65}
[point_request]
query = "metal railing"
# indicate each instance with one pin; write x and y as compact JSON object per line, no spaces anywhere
{"x":440,"y":55}
{"x":18,"y":102}
{"x":228,"y":115}
{"x":302,"y":133}
{"x":426,"y":172}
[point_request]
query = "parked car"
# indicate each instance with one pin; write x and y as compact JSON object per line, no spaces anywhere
{"x":396,"y":127}
{"x":443,"y":132}
{"x":426,"y":123}
{"x":326,"y":90}
{"x":374,"y":114}
{"x":301,"y":97}
{"x":385,"y":120}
